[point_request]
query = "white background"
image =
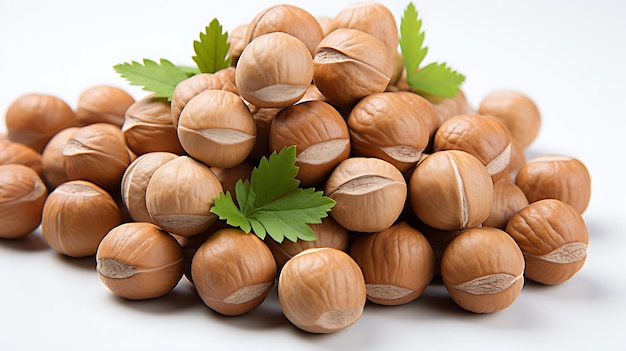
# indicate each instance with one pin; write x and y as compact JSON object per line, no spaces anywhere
{"x":569,"y":56}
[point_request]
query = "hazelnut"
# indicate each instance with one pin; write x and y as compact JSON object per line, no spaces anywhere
{"x":322,"y":290}
{"x":451,"y":190}
{"x":351,"y":64}
{"x":398,"y":71}
{"x":518,"y":160}
{"x":438,"y":240}
{"x":237,"y":39}
{"x":233,"y":271}
{"x":180,"y":195}
{"x":97,"y":153}
{"x":52,"y":159}
{"x":33,"y":119}
{"x":228,"y":73}
{"x":148,"y":127}
{"x":424,"y":110}
{"x":556,"y":177}
{"x":139,"y":261}
{"x":517,"y":111}
{"x":76,"y":216}
{"x":372,"y":18}
{"x":274,"y":70}
{"x":370,"y":194}
{"x":385,"y":126}
{"x":320,"y":135}
{"x":135,"y":182}
{"x":397,"y":263}
{"x":218,"y":121}
{"x":327,"y":234}
{"x":22,"y":194}
{"x":508,"y":199}
{"x":482,"y":270}
{"x":313,"y":93}
{"x":17,"y":153}
{"x":484,"y":137}
{"x":190,"y":87}
{"x":288,"y":19}
{"x":263,"y":118}
{"x":450,"y":107}
{"x":327,"y":24}
{"x":553,"y":237}
{"x":102,"y":104}
{"x":229,"y":176}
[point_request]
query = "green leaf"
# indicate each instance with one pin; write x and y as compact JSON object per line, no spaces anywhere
{"x":437,"y":79}
{"x":189,"y":71}
{"x":159,"y":78}
{"x":271,"y":203}
{"x":212,"y":49}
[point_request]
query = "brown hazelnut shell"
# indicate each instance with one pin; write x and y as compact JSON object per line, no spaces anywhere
{"x":102,"y":104}
{"x":17,"y":153}
{"x":22,"y":195}
{"x":508,"y":199}
{"x":372,"y":18}
{"x":52,"y":159}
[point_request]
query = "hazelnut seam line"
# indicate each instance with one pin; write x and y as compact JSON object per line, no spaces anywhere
{"x":462,"y":194}
{"x":489,"y":284}
{"x":387,"y":291}
{"x":500,"y":162}
{"x":329,"y":53}
{"x":333,"y":319}
{"x":403,"y":153}
{"x":222,"y":135}
{"x":363,"y":184}
{"x":567,"y":253}
{"x":120,"y":269}
{"x":311,"y":154}
{"x":247,"y":293}
{"x":37,"y":191}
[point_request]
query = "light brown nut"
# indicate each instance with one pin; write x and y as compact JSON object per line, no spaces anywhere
{"x":139,"y":261}
{"x":484,"y":137}
{"x":482,"y":270}
{"x":76,"y":216}
{"x":517,"y":111}
{"x":230,"y":176}
{"x":451,"y":190}
{"x":424,"y":110}
{"x":17,"y":153}
{"x":33,"y":119}
{"x":237,"y":39}
{"x":288,"y":19}
{"x":97,"y":153}
{"x":22,"y":195}
{"x":219,"y":121}
{"x":102,"y":104}
{"x":320,"y":135}
{"x":553,"y":237}
{"x":397,"y":263}
{"x":263,"y":118}
{"x":148,"y":127}
{"x":327,"y":234}
{"x":508,"y":199}
{"x":135,"y":182}
{"x":52,"y":160}
{"x":449,"y":107}
{"x":233,"y":271}
{"x":180,"y":195}
{"x":370,"y":194}
{"x":518,"y":160}
{"x":351,"y":64}
{"x":322,"y":290}
{"x":385,"y":126}
{"x":274,"y":70}
{"x":192,"y":86}
{"x":556,"y":177}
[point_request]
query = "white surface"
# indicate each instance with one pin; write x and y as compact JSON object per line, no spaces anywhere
{"x":567,"y":55}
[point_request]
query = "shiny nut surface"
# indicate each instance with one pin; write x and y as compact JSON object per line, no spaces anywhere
{"x":370,"y":194}
{"x":482,"y":269}
{"x":139,"y":261}
{"x":322,"y":290}
{"x":17,"y":153}
{"x":22,"y":195}
{"x":52,"y":160}
{"x":508,"y":199}
{"x":553,"y":237}
{"x":233,"y":271}
{"x":102,"y":104}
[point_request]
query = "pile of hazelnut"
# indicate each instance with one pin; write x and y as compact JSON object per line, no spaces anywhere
{"x":423,"y":188}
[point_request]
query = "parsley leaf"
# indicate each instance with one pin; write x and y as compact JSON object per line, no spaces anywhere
{"x":212,"y":49}
{"x":434,"y":79}
{"x":159,"y":78}
{"x":271,"y":203}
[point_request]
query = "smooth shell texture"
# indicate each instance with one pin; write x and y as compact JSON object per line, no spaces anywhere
{"x":263,"y":118}
{"x":76,"y":216}
{"x":230,"y":176}
{"x":450,"y":107}
{"x":517,"y":111}
{"x":370,"y":194}
{"x":135,"y":182}
{"x":102,"y":104}
{"x":320,"y":135}
{"x":322,"y":290}
{"x":180,"y":195}
{"x":486,"y":138}
{"x":482,"y":269}
{"x":274,"y":70}
{"x":508,"y":199}
{"x":556,"y":177}
{"x":17,"y":153}
{"x":33,"y":119}
{"x":385,"y":126}
{"x":451,"y":190}
{"x":139,"y":261}
{"x":351,"y":64}
{"x":423,"y":108}
{"x":553,"y":237}
{"x":22,"y":195}
{"x":288,"y":19}
{"x":233,"y":271}
{"x":221,"y":136}
{"x":397,"y":264}
{"x":52,"y":160}
{"x":148,"y":127}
